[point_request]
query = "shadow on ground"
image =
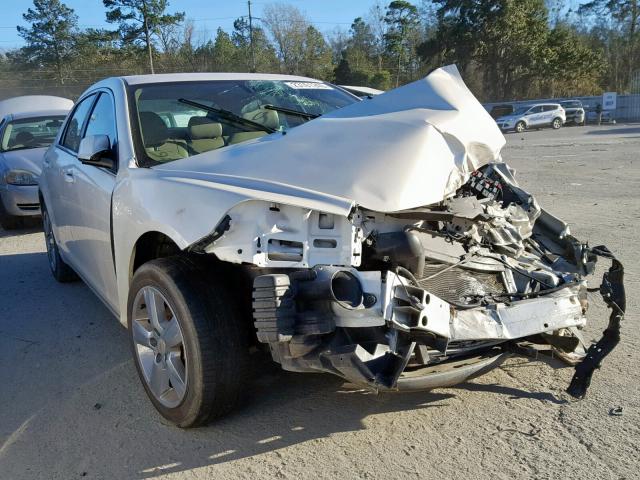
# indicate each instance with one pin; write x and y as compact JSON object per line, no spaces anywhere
{"x":69,"y":387}
{"x":30,"y":225}
{"x":615,"y":131}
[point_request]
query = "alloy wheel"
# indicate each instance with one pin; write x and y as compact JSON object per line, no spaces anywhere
{"x":160,"y":346}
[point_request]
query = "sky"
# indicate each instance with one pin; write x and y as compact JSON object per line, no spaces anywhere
{"x":208,"y":15}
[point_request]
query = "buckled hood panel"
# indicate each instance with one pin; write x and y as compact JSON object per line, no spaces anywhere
{"x":412,"y":146}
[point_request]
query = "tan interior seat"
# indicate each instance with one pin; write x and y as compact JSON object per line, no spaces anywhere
{"x":268,"y":118}
{"x":156,"y":139}
{"x":205,"y":134}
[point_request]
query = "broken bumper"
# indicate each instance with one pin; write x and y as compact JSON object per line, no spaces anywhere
{"x":379,"y":331}
{"x":613,"y":293}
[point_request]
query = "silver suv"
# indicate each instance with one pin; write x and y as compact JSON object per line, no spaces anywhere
{"x":533,"y":116}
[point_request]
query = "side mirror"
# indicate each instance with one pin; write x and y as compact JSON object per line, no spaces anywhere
{"x":96,"y":150}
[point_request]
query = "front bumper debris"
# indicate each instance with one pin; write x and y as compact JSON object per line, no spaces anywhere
{"x":612,"y":290}
{"x":367,"y":329}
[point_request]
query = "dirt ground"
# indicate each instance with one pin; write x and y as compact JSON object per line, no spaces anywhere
{"x":71,"y":405}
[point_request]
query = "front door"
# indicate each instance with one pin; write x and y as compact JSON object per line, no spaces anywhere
{"x":535,"y":116}
{"x":93,"y":187}
{"x":58,"y":166}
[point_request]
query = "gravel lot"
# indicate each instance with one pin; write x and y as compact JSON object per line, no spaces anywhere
{"x":71,"y":405}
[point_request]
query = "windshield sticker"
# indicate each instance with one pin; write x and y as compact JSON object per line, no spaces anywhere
{"x":308,"y":85}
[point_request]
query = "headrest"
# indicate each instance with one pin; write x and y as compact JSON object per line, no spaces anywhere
{"x":154,"y":130}
{"x":203,"y":127}
{"x":268,"y":118}
{"x":24,"y":138}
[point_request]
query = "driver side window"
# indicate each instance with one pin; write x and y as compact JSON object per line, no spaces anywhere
{"x":102,"y":122}
{"x":73,"y":132}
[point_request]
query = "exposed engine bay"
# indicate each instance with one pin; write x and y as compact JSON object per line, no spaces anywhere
{"x":425,"y":297}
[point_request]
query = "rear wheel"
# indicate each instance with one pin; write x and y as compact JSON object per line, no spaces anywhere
{"x":520,"y":127}
{"x":557,"y":123}
{"x":59,"y":269}
{"x":187,"y":340}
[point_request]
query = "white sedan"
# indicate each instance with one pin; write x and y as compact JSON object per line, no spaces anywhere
{"x":28,"y":125}
{"x":382,"y":241}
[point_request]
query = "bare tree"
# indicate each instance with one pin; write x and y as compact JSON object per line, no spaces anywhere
{"x":288,"y":26}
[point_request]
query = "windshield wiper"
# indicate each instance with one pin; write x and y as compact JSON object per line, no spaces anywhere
{"x":290,"y":111}
{"x":227,"y":115}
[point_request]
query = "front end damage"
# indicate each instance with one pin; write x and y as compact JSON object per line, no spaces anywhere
{"x":425,"y":297}
{"x":389,"y":245}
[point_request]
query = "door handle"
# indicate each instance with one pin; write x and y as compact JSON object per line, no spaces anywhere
{"x":68,"y":176}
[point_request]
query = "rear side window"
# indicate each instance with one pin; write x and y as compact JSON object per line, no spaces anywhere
{"x":73,"y":133}
{"x":548,"y":108}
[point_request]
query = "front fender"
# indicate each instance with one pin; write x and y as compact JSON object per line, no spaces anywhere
{"x":186,"y":207}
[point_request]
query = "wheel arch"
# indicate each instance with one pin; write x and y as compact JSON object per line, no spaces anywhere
{"x":149,"y":246}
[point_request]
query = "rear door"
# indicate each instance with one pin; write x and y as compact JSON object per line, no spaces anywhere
{"x":550,"y":112}
{"x":93,"y":187}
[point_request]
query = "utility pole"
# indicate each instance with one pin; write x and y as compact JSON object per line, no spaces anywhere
{"x":147,"y":34}
{"x":253,"y":53}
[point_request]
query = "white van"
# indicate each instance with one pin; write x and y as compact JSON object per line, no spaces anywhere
{"x":533,"y":116}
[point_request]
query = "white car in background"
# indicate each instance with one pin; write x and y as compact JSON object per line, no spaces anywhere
{"x":362,"y":91}
{"x":539,"y":115}
{"x":28,"y":126}
{"x":383,"y":241}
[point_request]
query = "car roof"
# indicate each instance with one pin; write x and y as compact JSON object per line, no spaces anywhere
{"x":539,"y":105}
{"x":36,"y":114}
{"x":199,"y":77}
{"x":31,"y":103}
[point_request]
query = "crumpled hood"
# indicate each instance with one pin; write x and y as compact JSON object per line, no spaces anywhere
{"x":29,"y":159}
{"x":412,"y":146}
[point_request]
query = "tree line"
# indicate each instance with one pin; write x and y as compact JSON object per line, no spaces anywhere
{"x":505,"y":49}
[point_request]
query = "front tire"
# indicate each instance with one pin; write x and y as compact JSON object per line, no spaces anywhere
{"x":521,"y":127}
{"x":187,"y":340}
{"x":557,"y":123}
{"x":62,"y":272}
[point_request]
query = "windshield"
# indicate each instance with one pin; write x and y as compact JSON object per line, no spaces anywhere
{"x":573,"y":104}
{"x":178,"y":120}
{"x":34,"y":132}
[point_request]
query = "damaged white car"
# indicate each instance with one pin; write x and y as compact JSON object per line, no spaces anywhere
{"x":382,"y":240}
